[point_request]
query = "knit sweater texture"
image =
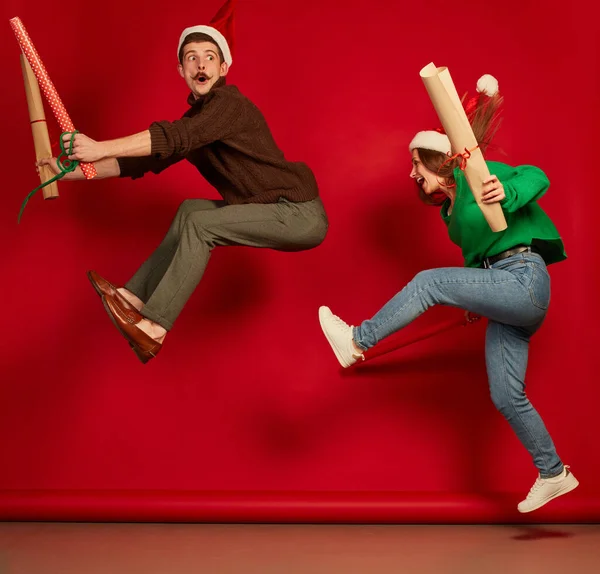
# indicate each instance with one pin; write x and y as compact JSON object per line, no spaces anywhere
{"x":225,"y":136}
{"x":527,"y":222}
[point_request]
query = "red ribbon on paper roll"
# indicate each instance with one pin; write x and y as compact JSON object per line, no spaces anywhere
{"x":48,"y":89}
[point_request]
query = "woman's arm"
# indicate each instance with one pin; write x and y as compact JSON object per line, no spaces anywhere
{"x":515,"y":189}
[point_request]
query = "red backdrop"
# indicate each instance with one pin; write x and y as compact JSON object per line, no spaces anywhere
{"x":245,"y":414}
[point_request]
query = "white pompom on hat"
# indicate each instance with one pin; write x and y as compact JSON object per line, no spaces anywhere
{"x":487,"y":85}
{"x":437,"y":140}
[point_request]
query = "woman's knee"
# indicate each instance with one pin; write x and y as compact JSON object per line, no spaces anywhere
{"x":501,"y":400}
{"x":424,"y":277}
{"x":428,"y":279}
{"x":508,"y":400}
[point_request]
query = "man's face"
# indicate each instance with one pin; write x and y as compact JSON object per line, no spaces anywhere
{"x":201,"y":68}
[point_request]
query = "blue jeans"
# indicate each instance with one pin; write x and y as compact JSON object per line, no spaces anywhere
{"x":514,"y":295}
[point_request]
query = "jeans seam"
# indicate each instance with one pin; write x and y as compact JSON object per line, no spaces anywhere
{"x":534,"y":299}
{"x":424,"y":288}
{"x":506,"y":386}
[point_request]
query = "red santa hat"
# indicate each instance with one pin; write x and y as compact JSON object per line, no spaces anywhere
{"x":437,"y":140}
{"x":221,"y":31}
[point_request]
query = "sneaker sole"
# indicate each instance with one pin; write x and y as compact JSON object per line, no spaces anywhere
{"x":568,"y":488}
{"x":331,"y":343}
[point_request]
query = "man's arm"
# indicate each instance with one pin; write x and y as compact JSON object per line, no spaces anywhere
{"x":219,"y":116}
{"x":132,"y":167}
{"x":88,"y":150}
{"x":108,"y":167}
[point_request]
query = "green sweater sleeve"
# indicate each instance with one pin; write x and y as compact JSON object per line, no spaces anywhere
{"x":528,"y":224}
{"x":526,"y":183}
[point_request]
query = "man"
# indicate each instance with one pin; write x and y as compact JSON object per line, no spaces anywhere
{"x":267,"y":200}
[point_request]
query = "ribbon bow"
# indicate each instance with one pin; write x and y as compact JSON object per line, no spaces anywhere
{"x":464,"y":156}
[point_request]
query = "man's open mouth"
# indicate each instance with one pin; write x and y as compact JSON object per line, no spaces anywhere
{"x":202,"y":78}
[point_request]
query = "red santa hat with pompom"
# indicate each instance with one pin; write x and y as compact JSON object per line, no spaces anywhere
{"x":437,"y":140}
{"x":221,"y":31}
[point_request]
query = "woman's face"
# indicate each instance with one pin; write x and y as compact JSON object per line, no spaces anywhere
{"x":426,"y":179}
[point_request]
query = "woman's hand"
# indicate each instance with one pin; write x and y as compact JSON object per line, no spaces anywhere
{"x":85,"y":149}
{"x":492,"y":190}
{"x":471,"y":317}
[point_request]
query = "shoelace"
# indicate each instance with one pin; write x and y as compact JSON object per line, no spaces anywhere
{"x":339,"y":322}
{"x":536,"y":486}
{"x":540,"y":481}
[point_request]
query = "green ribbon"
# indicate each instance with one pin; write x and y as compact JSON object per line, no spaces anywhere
{"x":65,"y":165}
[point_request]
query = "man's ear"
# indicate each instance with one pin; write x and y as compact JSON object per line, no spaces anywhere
{"x":180,"y":70}
{"x":224,"y":68}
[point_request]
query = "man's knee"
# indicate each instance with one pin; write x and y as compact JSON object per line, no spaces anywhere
{"x":186,"y":206}
{"x":194,"y":214}
{"x":199,"y":225}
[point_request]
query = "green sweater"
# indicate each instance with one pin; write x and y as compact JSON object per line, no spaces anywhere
{"x":527,"y":222}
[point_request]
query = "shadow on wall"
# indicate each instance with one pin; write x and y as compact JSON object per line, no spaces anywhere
{"x":410,"y":234}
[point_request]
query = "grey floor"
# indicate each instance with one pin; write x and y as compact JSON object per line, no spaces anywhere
{"x":71,"y":548}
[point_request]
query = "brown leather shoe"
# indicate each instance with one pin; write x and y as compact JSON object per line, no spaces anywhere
{"x":104,"y":287}
{"x":101,"y":285}
{"x":125,"y":318}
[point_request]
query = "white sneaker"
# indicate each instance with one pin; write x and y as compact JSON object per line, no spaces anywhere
{"x":545,"y":489}
{"x":339,"y":335}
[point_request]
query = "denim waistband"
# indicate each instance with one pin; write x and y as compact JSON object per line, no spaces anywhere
{"x":487,"y":262}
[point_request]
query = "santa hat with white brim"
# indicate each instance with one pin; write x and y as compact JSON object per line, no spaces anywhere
{"x":431,"y":140}
{"x":221,"y":30}
{"x":214,"y":34}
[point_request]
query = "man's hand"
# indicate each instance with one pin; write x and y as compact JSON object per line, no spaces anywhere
{"x":85,"y":149}
{"x":52,"y":164}
{"x":492,"y":190}
{"x":108,"y":167}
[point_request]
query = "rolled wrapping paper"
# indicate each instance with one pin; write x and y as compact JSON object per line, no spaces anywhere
{"x":39,"y":128}
{"x":452,"y":115}
{"x":47,"y":87}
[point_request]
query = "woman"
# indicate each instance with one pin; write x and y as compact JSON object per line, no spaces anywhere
{"x":504,"y":279}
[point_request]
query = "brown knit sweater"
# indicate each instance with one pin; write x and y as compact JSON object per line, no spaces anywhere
{"x":227,"y":138}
